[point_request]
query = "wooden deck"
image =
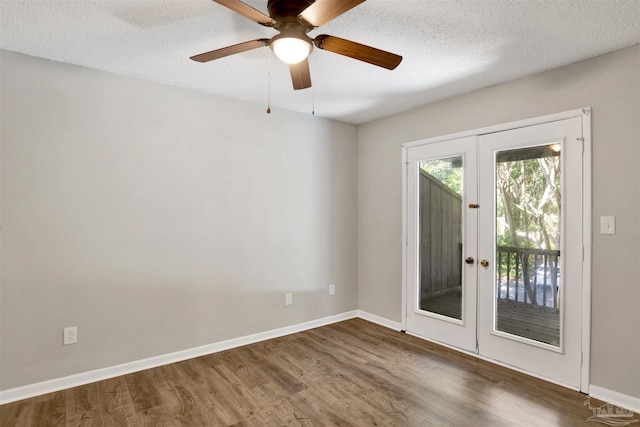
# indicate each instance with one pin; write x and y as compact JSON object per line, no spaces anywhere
{"x":529,"y":321}
{"x":352,"y":373}
{"x":526,"y":320}
{"x":449,"y":305}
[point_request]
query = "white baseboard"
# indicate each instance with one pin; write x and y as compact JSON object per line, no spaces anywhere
{"x":622,"y":400}
{"x":37,"y":389}
{"x":383,"y":321}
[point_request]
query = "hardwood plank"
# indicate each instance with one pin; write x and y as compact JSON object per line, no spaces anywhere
{"x":195,"y":403}
{"x":141,"y":386}
{"x":16,"y":413}
{"x":83,"y":406}
{"x":223,"y":397}
{"x":183,"y":404}
{"x":116,"y":406}
{"x":50,"y":410}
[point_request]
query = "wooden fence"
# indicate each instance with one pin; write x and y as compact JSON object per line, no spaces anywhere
{"x":440,"y":238}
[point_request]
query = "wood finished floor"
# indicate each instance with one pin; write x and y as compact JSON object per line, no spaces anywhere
{"x":352,"y":373}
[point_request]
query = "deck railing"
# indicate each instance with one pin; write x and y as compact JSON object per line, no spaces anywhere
{"x":530,"y":276}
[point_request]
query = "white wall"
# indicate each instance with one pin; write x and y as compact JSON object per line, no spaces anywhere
{"x":611,"y":85}
{"x":158,"y":219}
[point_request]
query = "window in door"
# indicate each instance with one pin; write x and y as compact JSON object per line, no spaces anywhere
{"x":528,"y":211}
{"x":440,"y":212}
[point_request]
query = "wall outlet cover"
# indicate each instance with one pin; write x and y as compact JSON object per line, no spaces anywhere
{"x":70,"y":335}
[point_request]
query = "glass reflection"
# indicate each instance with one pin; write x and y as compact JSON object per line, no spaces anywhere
{"x":440,"y":216}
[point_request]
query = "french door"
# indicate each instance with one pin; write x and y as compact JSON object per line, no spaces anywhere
{"x":443,"y":292}
{"x":494,"y":246}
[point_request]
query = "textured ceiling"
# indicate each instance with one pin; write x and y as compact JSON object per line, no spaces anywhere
{"x":449,"y":47}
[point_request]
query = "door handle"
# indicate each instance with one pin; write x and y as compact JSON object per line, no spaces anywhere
{"x":484,"y":263}
{"x":469,"y":261}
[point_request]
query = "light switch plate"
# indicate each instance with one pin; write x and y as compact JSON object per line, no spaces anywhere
{"x":607,"y":225}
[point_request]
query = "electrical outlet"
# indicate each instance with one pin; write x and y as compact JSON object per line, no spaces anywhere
{"x":288,"y":298}
{"x":70,"y":335}
{"x":332,"y":289}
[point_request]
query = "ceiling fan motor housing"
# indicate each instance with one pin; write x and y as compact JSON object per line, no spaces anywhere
{"x":285,"y":12}
{"x":288,"y":23}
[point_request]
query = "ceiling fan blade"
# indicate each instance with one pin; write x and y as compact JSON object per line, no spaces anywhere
{"x":247,"y":11}
{"x":323,"y":11}
{"x":358,"y":51}
{"x":300,"y":75}
{"x":230,"y":50}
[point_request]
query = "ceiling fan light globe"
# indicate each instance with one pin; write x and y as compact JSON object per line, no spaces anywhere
{"x":291,"y":50}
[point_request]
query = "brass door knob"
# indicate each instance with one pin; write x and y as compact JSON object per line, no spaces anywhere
{"x":469,"y":260}
{"x":484,"y":263}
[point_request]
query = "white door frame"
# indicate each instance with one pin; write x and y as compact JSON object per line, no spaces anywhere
{"x":585,"y":115}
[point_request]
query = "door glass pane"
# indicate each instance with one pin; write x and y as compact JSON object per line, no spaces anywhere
{"x":528,"y":208}
{"x":440,"y":210}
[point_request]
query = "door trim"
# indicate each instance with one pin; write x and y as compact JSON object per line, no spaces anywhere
{"x":585,"y":115}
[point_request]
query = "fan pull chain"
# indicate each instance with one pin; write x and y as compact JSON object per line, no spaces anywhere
{"x":313,"y":99}
{"x":269,"y":81}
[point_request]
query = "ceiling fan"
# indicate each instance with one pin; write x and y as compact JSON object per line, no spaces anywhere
{"x":294,"y":19}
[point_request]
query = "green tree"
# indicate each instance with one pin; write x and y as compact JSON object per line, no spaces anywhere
{"x":448,"y":171}
{"x":529,"y":205}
